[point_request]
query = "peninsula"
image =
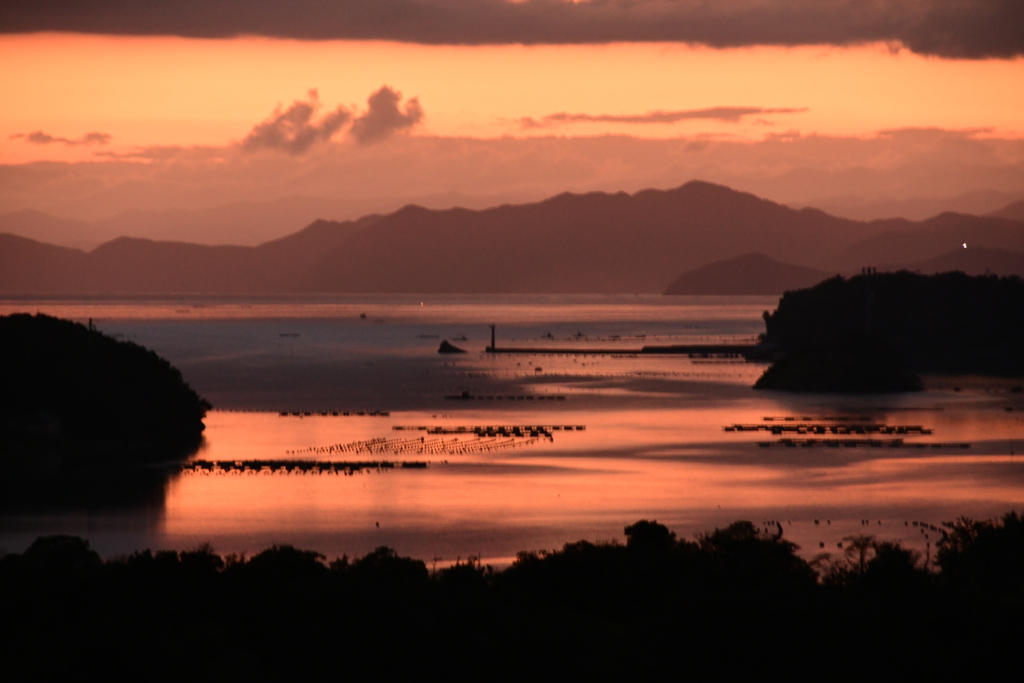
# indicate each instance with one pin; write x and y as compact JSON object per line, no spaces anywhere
{"x":68,"y":382}
{"x":874,"y":331}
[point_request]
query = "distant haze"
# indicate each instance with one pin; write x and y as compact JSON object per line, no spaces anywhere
{"x":222,"y":196}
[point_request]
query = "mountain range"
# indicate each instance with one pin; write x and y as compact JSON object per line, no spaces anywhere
{"x":596,"y":242}
{"x":239,"y":223}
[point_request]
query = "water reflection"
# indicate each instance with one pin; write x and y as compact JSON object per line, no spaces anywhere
{"x":654,"y":445}
{"x":674,"y":465}
{"x":53,"y":477}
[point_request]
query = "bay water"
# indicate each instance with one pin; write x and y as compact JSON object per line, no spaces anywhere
{"x":605,"y":439}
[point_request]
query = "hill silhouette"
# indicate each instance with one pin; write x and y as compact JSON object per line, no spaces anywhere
{"x":84,"y":418}
{"x":905,"y":242}
{"x":882,"y":325}
{"x":43,"y":227}
{"x":30,"y":267}
{"x":597,"y":242}
{"x":572,"y":243}
{"x":1013,"y":211}
{"x":63,"y":380}
{"x":246,"y":223}
{"x":758,"y":274}
{"x":746,"y":274}
{"x":137,"y":266}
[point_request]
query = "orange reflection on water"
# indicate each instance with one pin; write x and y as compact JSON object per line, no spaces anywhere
{"x":674,"y":465}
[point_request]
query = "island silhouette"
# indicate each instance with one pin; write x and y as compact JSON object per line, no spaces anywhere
{"x":875,"y":332}
{"x":82,"y":414}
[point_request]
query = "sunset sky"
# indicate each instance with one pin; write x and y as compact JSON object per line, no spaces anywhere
{"x":516,"y":100}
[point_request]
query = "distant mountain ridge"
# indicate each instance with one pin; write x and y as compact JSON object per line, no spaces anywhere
{"x":236,"y":223}
{"x":597,"y":242}
{"x":756,"y":274}
{"x":136,"y":266}
{"x":42,"y":227}
{"x":746,"y":274}
{"x":1014,"y":211}
{"x":975,"y":202}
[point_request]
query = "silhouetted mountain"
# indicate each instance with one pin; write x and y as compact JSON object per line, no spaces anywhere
{"x":1014,"y":211}
{"x":576,"y":243}
{"x":42,"y":227}
{"x":236,"y":223}
{"x":977,"y":202}
{"x":30,"y":267}
{"x":747,"y":274}
{"x":570,"y":243}
{"x":130,"y":265}
{"x":911,"y":243}
{"x":280,"y":265}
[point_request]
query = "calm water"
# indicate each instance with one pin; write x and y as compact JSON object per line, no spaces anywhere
{"x":654,"y":445}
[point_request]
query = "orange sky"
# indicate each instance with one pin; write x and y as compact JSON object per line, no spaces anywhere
{"x":173,"y":91}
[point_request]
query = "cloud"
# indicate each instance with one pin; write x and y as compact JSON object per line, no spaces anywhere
{"x":384,"y":117}
{"x":195,"y":154}
{"x":945,"y":28}
{"x":41,"y":138}
{"x":727,"y":114}
{"x":293,"y":130}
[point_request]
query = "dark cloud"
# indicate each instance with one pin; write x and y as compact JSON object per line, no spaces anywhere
{"x":946,"y":28}
{"x":728,"y":114}
{"x":41,"y":138}
{"x":293,"y":130}
{"x":384,"y":117}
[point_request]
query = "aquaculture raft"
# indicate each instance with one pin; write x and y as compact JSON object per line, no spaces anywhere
{"x":294,"y":466}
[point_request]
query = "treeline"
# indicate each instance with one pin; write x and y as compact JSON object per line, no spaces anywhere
{"x":735,"y":601}
{"x":876,"y":331}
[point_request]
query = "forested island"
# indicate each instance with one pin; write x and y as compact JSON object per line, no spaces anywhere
{"x":82,"y":412}
{"x":737,"y":601}
{"x":876,"y":332}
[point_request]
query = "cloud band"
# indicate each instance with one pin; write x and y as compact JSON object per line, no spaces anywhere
{"x":41,"y":138}
{"x":945,"y":28}
{"x":726,"y":114}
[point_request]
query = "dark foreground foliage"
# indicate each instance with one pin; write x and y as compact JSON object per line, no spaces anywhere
{"x":870,"y":332}
{"x":734,"y":602}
